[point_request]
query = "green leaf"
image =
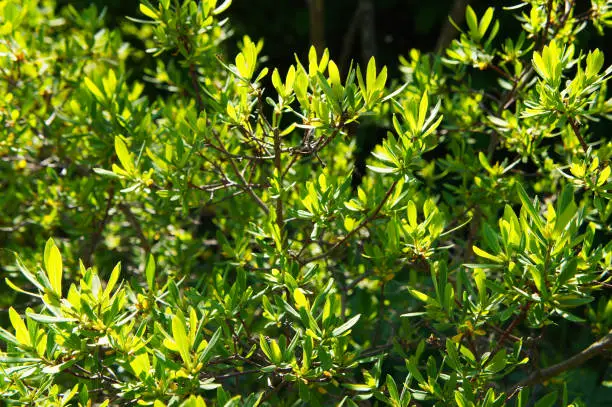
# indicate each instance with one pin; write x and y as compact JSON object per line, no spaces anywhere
{"x":8,"y":337}
{"x":112,"y":280}
{"x":497,"y":363}
{"x":49,"y":319}
{"x":221,"y":8}
{"x":27,"y":274}
{"x":485,"y":22}
{"x":95,"y":91}
{"x":357,"y":387}
{"x":207,"y":352}
{"x":371,"y":76}
{"x":300,"y":299}
{"x":537,"y":274}
{"x":528,"y":205}
{"x":548,"y":400}
{"x":491,"y":238}
{"x":53,"y":266}
{"x":472,"y":22}
{"x":461,"y":400}
{"x":265,"y":348}
{"x":392,"y":388}
{"x":453,"y":356}
{"x":150,"y":271}
{"x":539,"y":66}
{"x":334,"y":74}
{"x":383,"y":170}
{"x":342,"y":329}
{"x":106,"y":173}
{"x":480,"y":279}
{"x":481,"y":253}
{"x":140,"y":363}
{"x":423,"y":105}
{"x":381,"y":81}
{"x":21,"y":331}
{"x":568,"y":270}
{"x":144,"y":9}
{"x":179,"y":334}
{"x":422,"y":296}
{"x":275,"y":352}
{"x":412,"y":214}
{"x":123,"y":154}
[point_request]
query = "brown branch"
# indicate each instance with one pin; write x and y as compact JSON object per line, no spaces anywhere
{"x":576,"y":130}
{"x":596,"y":348}
{"x":278,"y":165}
{"x":363,"y":223}
{"x":513,"y":324}
{"x":245,"y":183}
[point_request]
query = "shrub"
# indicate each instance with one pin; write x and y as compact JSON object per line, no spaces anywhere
{"x":228,"y":255}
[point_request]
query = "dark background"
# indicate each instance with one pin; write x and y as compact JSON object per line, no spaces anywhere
{"x":400,"y":25}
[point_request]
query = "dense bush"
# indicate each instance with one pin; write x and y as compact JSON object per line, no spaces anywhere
{"x":214,"y":246}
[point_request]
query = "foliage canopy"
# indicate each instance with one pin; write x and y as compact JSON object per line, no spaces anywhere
{"x":213,"y":246}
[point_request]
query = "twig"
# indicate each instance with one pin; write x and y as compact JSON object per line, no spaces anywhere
{"x":280,"y":221}
{"x":576,"y":130}
{"x":578,"y":359}
{"x":513,"y":324}
{"x":367,"y":220}
{"x":245,"y":184}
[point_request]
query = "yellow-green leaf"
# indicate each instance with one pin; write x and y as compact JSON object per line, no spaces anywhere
{"x":148,"y":11}
{"x":423,"y":105}
{"x":21,"y":331}
{"x":94,"y":90}
{"x":300,"y":299}
{"x":412,"y":214}
{"x":481,"y":253}
{"x":54,"y":269}
{"x":179,"y":335}
{"x":140,"y":363}
{"x":112,"y":280}
{"x":123,"y":154}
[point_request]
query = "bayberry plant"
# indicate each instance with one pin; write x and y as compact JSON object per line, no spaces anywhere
{"x":196,"y":235}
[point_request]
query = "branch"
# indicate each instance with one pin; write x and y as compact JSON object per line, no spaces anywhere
{"x":363,"y":223}
{"x":280,"y":221}
{"x":576,"y":130}
{"x":508,"y":331}
{"x":245,"y":183}
{"x":578,"y":359}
